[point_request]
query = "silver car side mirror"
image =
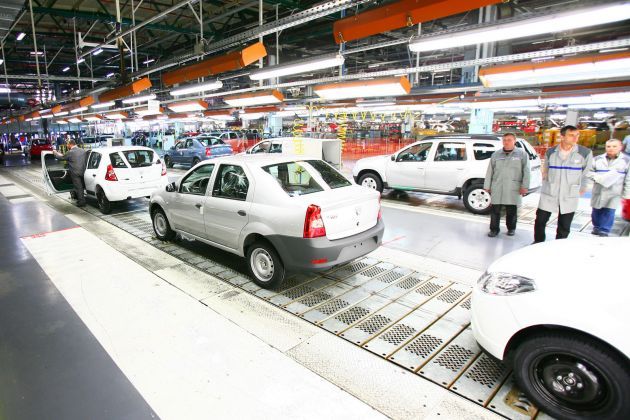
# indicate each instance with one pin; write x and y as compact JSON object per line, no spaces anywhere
{"x":171,"y":187}
{"x":393,"y":157}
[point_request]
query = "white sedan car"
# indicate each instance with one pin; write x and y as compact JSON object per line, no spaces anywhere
{"x":111,"y":174}
{"x":558,"y":312}
{"x":280,"y":212}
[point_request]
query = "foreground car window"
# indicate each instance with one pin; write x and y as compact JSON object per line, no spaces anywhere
{"x":139,"y":158}
{"x":231,"y":182}
{"x":528,"y":149}
{"x":197,"y":181}
{"x":329,"y":174}
{"x":294,"y":178}
{"x":94,"y":161}
{"x":117,"y":161}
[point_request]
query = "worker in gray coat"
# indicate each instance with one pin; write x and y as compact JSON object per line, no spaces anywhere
{"x":566,"y":174}
{"x":76,"y":163}
{"x":507,"y":180}
{"x":611,"y":181}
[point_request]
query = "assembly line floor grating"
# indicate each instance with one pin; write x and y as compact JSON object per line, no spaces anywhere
{"x":416,"y":320}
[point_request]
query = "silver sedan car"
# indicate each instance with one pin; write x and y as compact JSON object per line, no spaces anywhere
{"x":282,"y":213}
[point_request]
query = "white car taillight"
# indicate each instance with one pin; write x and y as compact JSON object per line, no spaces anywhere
{"x":110,"y":175}
{"x":163,"y":169}
{"x":505,"y":284}
{"x":313,"y":222}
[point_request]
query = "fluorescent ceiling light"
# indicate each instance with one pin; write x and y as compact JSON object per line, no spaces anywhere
{"x":298,"y":67}
{"x":5,"y":90}
{"x":61,"y":113}
{"x":572,"y":69}
{"x":609,"y":50}
{"x":103,"y":105}
{"x":118,"y":115}
{"x":255,"y":98}
{"x":80,"y":60}
{"x":142,"y":98}
{"x":80,"y":109}
{"x":143,"y":111}
{"x":109,"y":74}
{"x":20,"y":36}
{"x":1,"y":61}
{"x":65,"y":69}
{"x":47,"y":115}
{"x":93,"y":118}
{"x":75,"y":120}
{"x":197,"y":88}
{"x":253,"y":116}
{"x":389,"y":86}
{"x":36,"y":53}
{"x":558,"y":22}
{"x":151,"y":60}
{"x":188,"y":106}
{"x":98,"y":51}
{"x":61,"y":121}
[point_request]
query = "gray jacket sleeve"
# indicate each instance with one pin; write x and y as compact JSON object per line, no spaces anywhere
{"x":526,"y":171}
{"x":588,"y":174}
{"x":626,"y":185}
{"x":488,"y":181}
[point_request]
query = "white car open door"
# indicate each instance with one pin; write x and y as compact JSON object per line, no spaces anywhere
{"x":56,"y":176}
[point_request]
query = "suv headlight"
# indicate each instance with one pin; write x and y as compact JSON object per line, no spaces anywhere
{"x":505,"y":284}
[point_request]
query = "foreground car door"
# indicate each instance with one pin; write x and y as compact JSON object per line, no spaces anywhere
{"x":227,"y":208}
{"x":408,"y":170}
{"x":91,"y":170}
{"x":56,"y":176}
{"x":187,"y":207}
{"x":447,"y":166}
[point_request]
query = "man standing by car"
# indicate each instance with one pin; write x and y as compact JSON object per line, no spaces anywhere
{"x":507,"y":180}
{"x":76,"y":163}
{"x":566,"y":173}
{"x":611,"y":181}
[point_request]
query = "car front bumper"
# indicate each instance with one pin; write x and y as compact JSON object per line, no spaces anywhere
{"x":304,"y":254}
{"x":493,"y":323}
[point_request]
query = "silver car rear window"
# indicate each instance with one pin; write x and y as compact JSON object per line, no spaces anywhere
{"x":294,"y":178}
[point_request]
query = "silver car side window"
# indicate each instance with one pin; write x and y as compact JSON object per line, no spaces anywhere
{"x":231,"y":183}
{"x":197,"y":181}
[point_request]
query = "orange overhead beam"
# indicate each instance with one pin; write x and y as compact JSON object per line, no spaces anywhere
{"x":400,"y":14}
{"x":126,"y":90}
{"x":215,"y":65}
{"x":214,"y":112}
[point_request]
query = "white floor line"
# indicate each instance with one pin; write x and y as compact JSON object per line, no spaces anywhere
{"x":188,"y":362}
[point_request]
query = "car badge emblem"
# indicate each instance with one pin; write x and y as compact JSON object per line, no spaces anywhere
{"x":357,"y":211}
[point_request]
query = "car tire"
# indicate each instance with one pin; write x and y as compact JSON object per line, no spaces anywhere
{"x":161,"y":226}
{"x":168,"y":162}
{"x":371,"y":180}
{"x":573,"y":376}
{"x":104,"y":205}
{"x":265,"y":265}
{"x":195,"y":161}
{"x":476,"y":199}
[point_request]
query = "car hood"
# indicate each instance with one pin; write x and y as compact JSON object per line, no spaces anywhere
{"x":370,"y":162}
{"x":588,"y":265}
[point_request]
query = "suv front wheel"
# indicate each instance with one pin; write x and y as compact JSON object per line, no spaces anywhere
{"x":371,"y":180}
{"x":476,"y":199}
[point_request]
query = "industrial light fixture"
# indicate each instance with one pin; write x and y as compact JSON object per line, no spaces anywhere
{"x":188,"y":106}
{"x":255,"y":98}
{"x":141,"y":98}
{"x":5,"y":90}
{"x":61,"y":121}
{"x":20,"y":36}
{"x":109,"y":74}
{"x":65,"y":69}
{"x":519,"y":29}
{"x":370,"y":104}
{"x":144,"y":111}
{"x":57,"y":114}
{"x":103,"y":105}
{"x":36,"y":53}
{"x":197,"y":88}
{"x":117,"y":115}
{"x":80,"y":109}
{"x":389,"y":86}
{"x":74,"y":120}
{"x":80,"y":60}
{"x":298,"y":67}
{"x":566,"y":70}
{"x":148,"y":61}
{"x":97,"y":51}
{"x":47,"y":115}
{"x":1,"y":61}
{"x":93,"y":118}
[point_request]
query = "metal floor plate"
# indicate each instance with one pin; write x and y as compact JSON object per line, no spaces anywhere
{"x":418,"y":321}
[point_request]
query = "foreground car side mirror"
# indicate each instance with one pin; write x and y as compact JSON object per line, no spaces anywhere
{"x":171,"y":187}
{"x":393,"y":157}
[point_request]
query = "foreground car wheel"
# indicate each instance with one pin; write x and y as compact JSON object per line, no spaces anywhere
{"x":265,"y":265}
{"x":372,"y":181}
{"x":476,"y":199}
{"x":161,"y":227}
{"x":570,"y":376}
{"x":104,"y":205}
{"x":168,"y":162}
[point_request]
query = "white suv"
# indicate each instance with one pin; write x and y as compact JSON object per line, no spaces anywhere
{"x":442,"y":164}
{"x":111,"y":174}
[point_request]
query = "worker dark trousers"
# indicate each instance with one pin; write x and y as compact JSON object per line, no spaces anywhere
{"x":495,"y":216}
{"x":564,"y":225}
{"x":77,"y":183}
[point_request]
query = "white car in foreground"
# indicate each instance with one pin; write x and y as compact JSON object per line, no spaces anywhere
{"x":280,"y":212}
{"x":558,"y":313}
{"x":111,"y":174}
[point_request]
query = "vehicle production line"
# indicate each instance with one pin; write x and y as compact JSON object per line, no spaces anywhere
{"x":414,"y":312}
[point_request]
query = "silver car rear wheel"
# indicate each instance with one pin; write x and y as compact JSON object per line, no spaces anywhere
{"x":262,"y":264}
{"x":265,"y":265}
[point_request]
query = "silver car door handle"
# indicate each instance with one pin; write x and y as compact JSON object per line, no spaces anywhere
{"x":94,"y":175}
{"x":198,"y":205}
{"x":241,"y":213}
